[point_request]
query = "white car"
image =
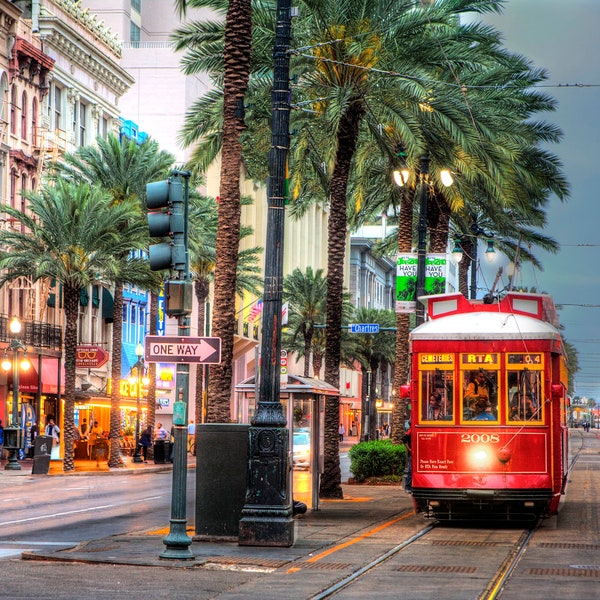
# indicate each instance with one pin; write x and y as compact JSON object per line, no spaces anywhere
{"x":301,"y":449}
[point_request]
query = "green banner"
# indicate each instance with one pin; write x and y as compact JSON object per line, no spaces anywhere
{"x":406,"y":279}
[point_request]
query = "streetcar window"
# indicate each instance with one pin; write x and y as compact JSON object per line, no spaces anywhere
{"x":524,"y":394}
{"x":480,"y":395}
{"x":437,"y":395}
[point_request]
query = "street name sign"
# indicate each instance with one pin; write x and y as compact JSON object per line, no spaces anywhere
{"x":182,"y":349}
{"x":364,"y":328}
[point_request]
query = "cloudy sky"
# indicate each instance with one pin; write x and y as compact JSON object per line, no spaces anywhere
{"x":562,"y":37}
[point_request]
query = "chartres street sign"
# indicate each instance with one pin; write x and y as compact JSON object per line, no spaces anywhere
{"x":171,"y":349}
{"x":364,"y":328}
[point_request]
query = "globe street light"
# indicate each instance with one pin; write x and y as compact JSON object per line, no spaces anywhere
{"x":15,"y":345}
{"x":139,"y":370}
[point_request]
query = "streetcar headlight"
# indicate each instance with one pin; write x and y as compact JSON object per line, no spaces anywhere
{"x":480,"y":457}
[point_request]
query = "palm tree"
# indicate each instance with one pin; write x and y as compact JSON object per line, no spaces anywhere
{"x":77,"y":235}
{"x":123,"y":170}
{"x":373,"y":352}
{"x":235,"y":64}
{"x":305,"y":294}
{"x":202,"y":242}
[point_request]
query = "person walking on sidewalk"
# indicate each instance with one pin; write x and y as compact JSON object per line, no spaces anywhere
{"x":53,"y":431}
{"x":146,"y":441}
{"x":342,"y":432}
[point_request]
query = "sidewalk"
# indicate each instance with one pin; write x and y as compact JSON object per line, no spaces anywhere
{"x":92,"y":467}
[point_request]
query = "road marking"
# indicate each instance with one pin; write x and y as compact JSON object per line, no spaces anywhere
{"x":81,"y":510}
{"x":358,"y":538}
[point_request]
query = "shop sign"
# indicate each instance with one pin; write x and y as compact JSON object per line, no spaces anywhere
{"x":91,"y":357}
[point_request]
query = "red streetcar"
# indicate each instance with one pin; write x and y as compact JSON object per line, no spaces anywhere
{"x":489,"y":409}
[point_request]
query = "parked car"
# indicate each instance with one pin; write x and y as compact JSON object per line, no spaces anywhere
{"x":301,"y":449}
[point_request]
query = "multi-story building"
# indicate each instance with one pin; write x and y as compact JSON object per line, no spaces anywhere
{"x":61,"y":75}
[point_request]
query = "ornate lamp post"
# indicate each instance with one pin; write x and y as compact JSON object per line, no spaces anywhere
{"x":139,"y":370}
{"x":15,"y":345}
{"x":267,"y":515}
{"x":401,"y":177}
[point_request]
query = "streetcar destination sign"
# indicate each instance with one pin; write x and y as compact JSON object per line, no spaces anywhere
{"x":364,"y":328}
{"x":182,"y":349}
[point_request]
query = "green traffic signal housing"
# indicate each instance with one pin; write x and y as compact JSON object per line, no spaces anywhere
{"x":166,"y":217}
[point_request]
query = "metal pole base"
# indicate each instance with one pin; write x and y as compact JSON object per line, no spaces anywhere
{"x":13,"y":463}
{"x":177,"y":542}
{"x":267,"y":517}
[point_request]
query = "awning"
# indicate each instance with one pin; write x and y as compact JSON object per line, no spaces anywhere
{"x":29,"y":380}
{"x":108,"y":305}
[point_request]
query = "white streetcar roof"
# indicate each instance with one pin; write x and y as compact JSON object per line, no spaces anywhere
{"x":486,"y":325}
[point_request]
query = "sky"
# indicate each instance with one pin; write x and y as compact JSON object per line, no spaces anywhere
{"x":562,"y":37}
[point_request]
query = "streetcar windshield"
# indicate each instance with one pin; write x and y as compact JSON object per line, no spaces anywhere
{"x":437,"y":395}
{"x":524,"y":393}
{"x":480,"y":395}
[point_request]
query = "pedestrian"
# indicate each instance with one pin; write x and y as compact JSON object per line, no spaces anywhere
{"x":192,"y":437}
{"x":83,"y":430}
{"x":53,"y":431}
{"x":342,"y":432}
{"x":160,"y":433}
{"x":1,"y":441}
{"x":407,"y":441}
{"x":145,"y":442}
{"x":33,"y":432}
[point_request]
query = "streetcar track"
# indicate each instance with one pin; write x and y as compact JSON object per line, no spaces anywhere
{"x":492,"y":591}
{"x":336,"y":587}
{"x":505,"y":570}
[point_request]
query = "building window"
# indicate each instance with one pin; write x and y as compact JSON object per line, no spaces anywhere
{"x":137,"y":6}
{"x":13,"y":110}
{"x":103,"y":127}
{"x":134,"y":35}
{"x":34,"y":122}
{"x":24,"y":116}
{"x":13,"y":187}
{"x":82,"y":117}
{"x":55,"y":108}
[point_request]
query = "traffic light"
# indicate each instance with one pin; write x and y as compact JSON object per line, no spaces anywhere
{"x":166,"y":217}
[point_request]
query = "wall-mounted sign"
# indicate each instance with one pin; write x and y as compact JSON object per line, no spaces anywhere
{"x":91,"y":357}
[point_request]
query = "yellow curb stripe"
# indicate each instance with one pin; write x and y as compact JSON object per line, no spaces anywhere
{"x":358,"y":538}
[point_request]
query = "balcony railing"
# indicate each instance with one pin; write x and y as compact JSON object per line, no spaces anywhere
{"x":35,"y":333}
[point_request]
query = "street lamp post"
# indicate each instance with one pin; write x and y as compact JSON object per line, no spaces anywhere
{"x":267,"y":518}
{"x":422,"y":231}
{"x":401,"y":177}
{"x":139,"y":370}
{"x":15,"y":345}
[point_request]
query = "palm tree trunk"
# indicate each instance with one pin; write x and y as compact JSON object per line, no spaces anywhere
{"x":71,"y":299}
{"x":465,"y":266}
{"x":114,"y":460}
{"x":308,"y":337}
{"x":401,"y":366}
{"x":201,"y":288}
{"x":151,"y":398}
{"x":337,"y":232}
{"x":238,"y":40}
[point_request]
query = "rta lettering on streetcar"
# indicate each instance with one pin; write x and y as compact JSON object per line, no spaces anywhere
{"x":184,"y":349}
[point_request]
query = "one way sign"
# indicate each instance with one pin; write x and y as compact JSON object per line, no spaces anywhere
{"x":172,"y":349}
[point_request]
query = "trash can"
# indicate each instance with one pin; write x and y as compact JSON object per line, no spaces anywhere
{"x":42,"y":450}
{"x":160,"y":450}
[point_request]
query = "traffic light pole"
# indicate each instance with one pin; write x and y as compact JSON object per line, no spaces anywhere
{"x":177,"y":543}
{"x":267,"y":516}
